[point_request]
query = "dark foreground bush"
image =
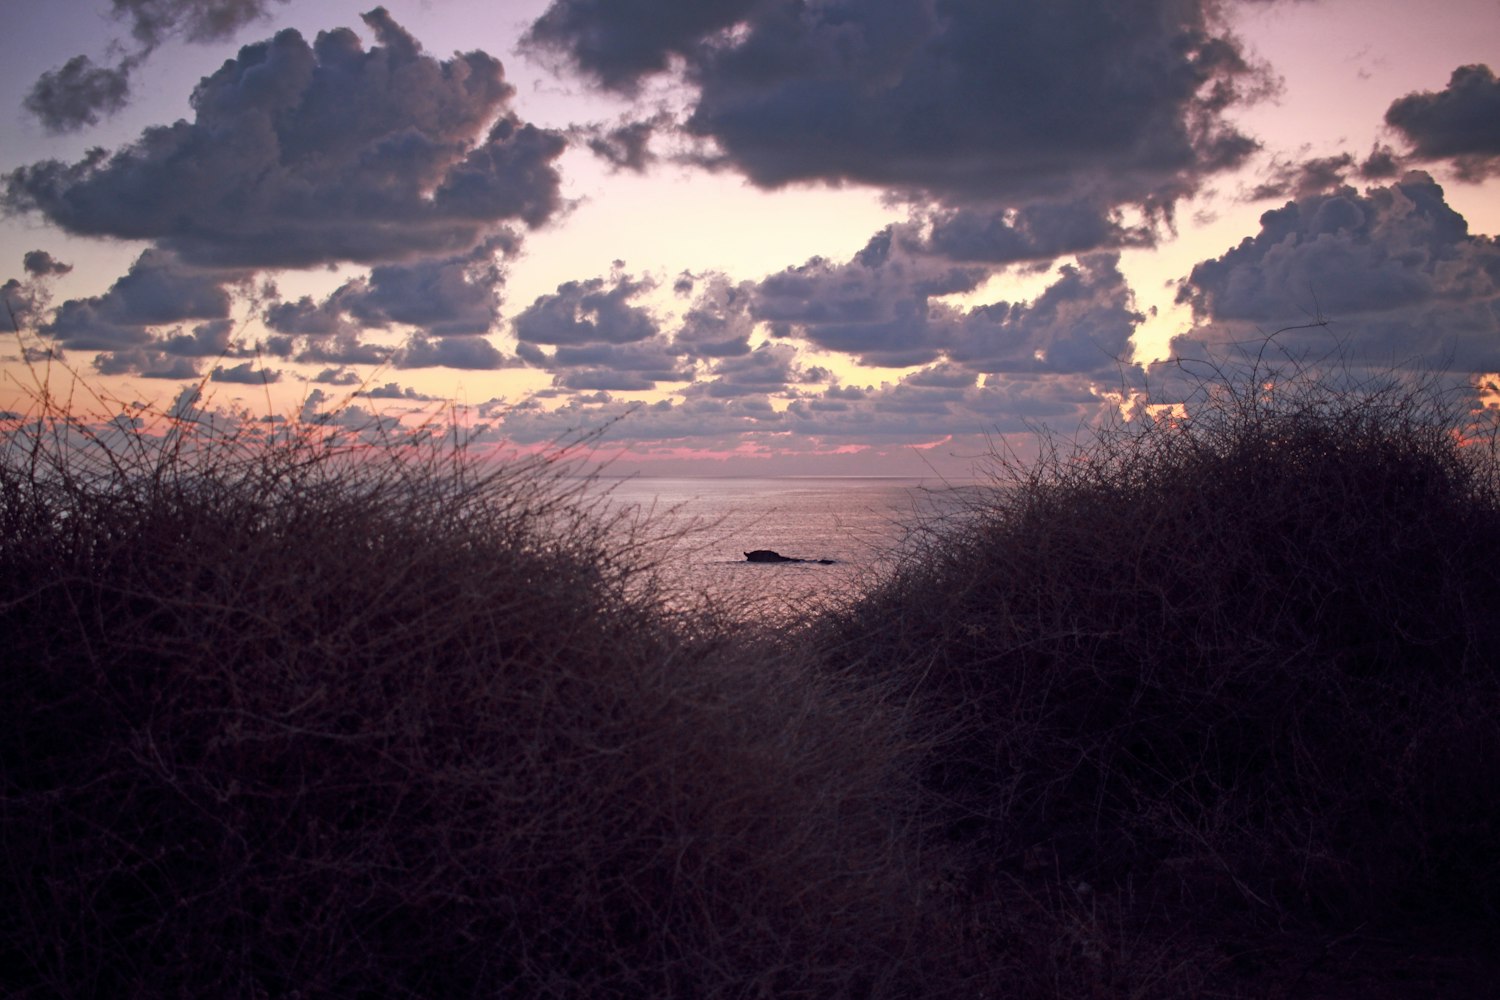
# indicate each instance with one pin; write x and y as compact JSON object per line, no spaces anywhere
{"x":1243,"y":667}
{"x":284,"y":718}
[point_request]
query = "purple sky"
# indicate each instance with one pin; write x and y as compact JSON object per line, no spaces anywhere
{"x":851,"y":236}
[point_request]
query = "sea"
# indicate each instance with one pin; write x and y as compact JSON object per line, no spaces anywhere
{"x":860,"y":524}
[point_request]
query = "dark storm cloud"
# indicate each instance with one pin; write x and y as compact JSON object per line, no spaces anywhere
{"x":41,"y":264}
{"x":1395,"y":268}
{"x":304,"y":154}
{"x":597,"y":310}
{"x":964,"y":99}
{"x":79,"y":93}
{"x":158,"y":289}
{"x":1461,"y":123}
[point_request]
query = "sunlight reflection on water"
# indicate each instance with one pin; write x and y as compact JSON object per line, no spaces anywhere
{"x":859,"y":522}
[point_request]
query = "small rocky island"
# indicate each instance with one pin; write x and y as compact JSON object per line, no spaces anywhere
{"x":769,"y":556}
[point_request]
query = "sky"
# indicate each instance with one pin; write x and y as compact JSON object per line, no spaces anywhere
{"x":838,"y":237}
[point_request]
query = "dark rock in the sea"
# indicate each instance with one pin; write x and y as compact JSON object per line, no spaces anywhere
{"x":768,"y":556}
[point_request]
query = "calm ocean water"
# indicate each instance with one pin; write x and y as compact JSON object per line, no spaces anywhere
{"x":858,"y":522}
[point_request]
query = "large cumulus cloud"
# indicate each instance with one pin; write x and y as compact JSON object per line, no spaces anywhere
{"x":960,"y":100}
{"x":1461,"y":122}
{"x":303,"y":154}
{"x":1395,"y":268}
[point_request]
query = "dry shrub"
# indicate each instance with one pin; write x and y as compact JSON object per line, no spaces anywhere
{"x":284,"y":717}
{"x":1241,"y":667}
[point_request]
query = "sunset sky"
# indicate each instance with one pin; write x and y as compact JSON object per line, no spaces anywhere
{"x":829,"y":236}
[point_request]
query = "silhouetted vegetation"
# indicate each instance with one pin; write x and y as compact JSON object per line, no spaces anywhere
{"x":1206,"y":707}
{"x":289,"y":717}
{"x":1233,"y":672}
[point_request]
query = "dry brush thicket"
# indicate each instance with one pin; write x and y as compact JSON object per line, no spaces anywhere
{"x":1179,"y":713}
{"x":288,"y":717}
{"x":1223,"y":675}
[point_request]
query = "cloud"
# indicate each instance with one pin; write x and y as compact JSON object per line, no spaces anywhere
{"x":964,"y":100}
{"x":338,"y":376}
{"x":877,"y":306}
{"x":651,"y":359}
{"x":1381,"y":165}
{"x":1292,"y":179}
{"x":1080,"y":324}
{"x":770,"y":368}
{"x":1395,"y":268}
{"x":307,"y":318}
{"x":78,"y":94}
{"x":472,"y":353}
{"x":207,"y":340}
{"x":341,"y":349}
{"x":620,"y":43}
{"x":445,"y":299}
{"x":147,"y":363}
{"x":885,"y":307}
{"x":930,"y":405}
{"x":592,"y":311}
{"x":391,"y":390}
{"x":445,"y":296}
{"x":626,"y":146}
{"x":153,"y":21}
{"x":41,"y":264}
{"x":245,"y":374}
{"x":23,"y":301}
{"x":718,"y":324}
{"x":1037,"y":231}
{"x":305,"y":154}
{"x":1460,"y":123}
{"x":159,"y":289}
